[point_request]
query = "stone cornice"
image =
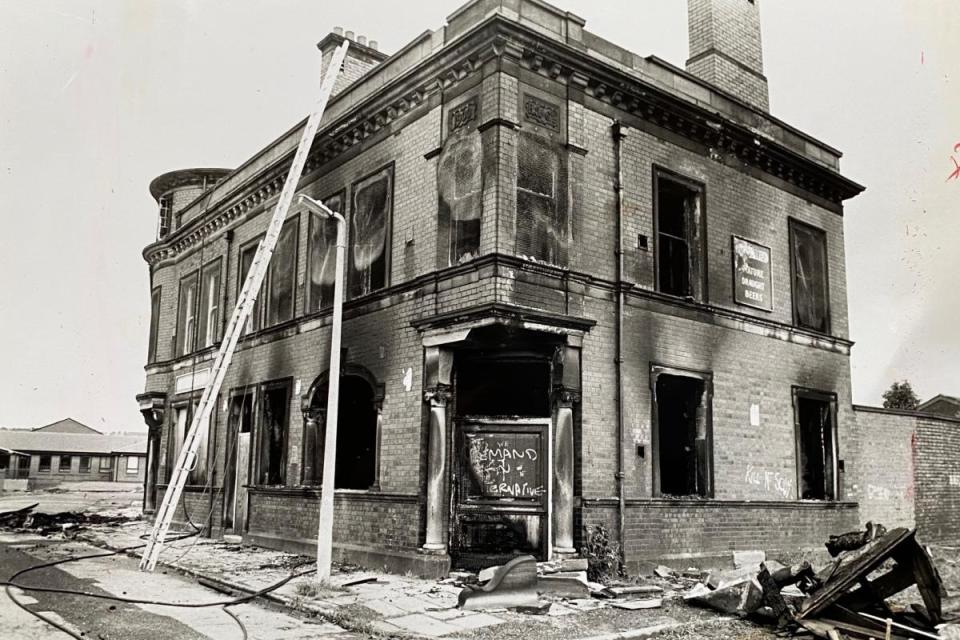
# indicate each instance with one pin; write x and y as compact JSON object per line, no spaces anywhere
{"x":498,"y":37}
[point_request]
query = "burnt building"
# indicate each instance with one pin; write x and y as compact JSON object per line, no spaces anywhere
{"x":583,"y":287}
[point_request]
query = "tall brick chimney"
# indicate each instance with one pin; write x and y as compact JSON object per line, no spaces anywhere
{"x":725,"y":48}
{"x":361,"y":57}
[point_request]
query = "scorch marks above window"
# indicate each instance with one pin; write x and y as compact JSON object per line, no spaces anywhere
{"x":370,"y":233}
{"x":322,"y":256}
{"x":459,"y":185}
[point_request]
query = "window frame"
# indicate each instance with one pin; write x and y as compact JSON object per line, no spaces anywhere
{"x":261,"y":396}
{"x":136,"y":465}
{"x":700,"y":235}
{"x":793,"y":223}
{"x":390,"y":168}
{"x":109,"y":463}
{"x":60,"y":466}
{"x":559,"y":199}
{"x":156,"y":300}
{"x":830,"y":398}
{"x":255,"y":319}
{"x":292,"y":222}
{"x":89,"y":466}
{"x":203,"y":312}
{"x":186,"y":344}
{"x":312,"y":218}
{"x":49,"y":465}
{"x":706,"y":377}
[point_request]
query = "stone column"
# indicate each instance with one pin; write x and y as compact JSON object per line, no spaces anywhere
{"x":563,"y":461}
{"x":437,"y":397}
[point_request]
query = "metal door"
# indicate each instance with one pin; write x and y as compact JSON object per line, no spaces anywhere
{"x":500,"y":491}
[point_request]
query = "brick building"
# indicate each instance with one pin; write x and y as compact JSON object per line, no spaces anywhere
{"x":583,"y":287}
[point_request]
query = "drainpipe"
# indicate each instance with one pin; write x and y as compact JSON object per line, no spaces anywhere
{"x":618,"y":136}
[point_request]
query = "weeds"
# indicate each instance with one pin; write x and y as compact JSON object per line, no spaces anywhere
{"x":604,"y":557}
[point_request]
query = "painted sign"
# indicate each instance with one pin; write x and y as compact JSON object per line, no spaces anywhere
{"x":752,"y":283}
{"x":505,"y":465}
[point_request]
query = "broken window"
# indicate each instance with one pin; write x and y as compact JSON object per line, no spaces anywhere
{"x":357,"y":418}
{"x":815,"y":415}
{"x":322,"y":257}
{"x":370,"y":233}
{"x":282,"y":276}
{"x":541,"y":201}
{"x":65,"y":462}
{"x":44,"y":464}
{"x":811,"y":308}
{"x":187,"y":315}
{"x":683,"y":455}
{"x":459,"y":185}
{"x":272,"y":441}
{"x":154,"y":325}
{"x":209,"y":320}
{"x":247,"y":254}
{"x":84,"y":464}
{"x":679,"y":242}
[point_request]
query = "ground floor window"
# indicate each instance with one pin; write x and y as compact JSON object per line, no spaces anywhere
{"x":815,"y":416}
{"x":106,"y":463}
{"x":65,"y":462}
{"x":682,"y":433}
{"x":133,"y":464}
{"x":44,"y":464}
{"x":182,"y":419}
{"x":84,"y":464}
{"x":272,"y":439}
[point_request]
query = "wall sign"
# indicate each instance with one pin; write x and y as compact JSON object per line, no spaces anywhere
{"x":752,"y":282}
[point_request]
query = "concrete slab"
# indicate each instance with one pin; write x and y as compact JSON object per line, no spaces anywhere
{"x":475,"y":621}
{"x":424,"y":625}
{"x":446,"y":614}
{"x":385,"y":608}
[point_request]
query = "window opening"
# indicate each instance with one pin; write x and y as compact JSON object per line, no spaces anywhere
{"x":459,"y":186}
{"x":810,"y":288}
{"x":369,"y":233}
{"x":322,"y":256}
{"x":683,"y":460}
{"x":209,"y":330}
{"x":816,"y":447}
{"x":84,"y":464}
{"x":187,"y":315}
{"x":44,"y":463}
{"x":65,"y":462}
{"x":679,"y":251}
{"x":272,"y":449}
{"x":541,"y":207}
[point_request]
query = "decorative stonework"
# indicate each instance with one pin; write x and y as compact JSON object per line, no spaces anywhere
{"x":541,"y":112}
{"x":462,"y":115}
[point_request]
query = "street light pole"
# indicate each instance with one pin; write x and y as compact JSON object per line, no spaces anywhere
{"x":325,"y":526}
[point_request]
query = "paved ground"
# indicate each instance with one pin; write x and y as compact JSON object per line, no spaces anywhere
{"x":118,"y":575}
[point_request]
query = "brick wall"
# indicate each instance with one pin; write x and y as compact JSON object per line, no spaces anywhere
{"x":887,"y":461}
{"x":937,"y":468}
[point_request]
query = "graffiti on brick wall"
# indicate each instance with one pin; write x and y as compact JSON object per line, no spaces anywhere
{"x":772,"y":482}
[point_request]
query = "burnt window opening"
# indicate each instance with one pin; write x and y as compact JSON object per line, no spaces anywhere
{"x":272,"y":441}
{"x":44,"y":464}
{"x":459,"y":185}
{"x":683,"y":447}
{"x":370,"y":233}
{"x":239,"y":420}
{"x":208,"y":332}
{"x":816,"y":445}
{"x":154,"y":325}
{"x":808,"y":254}
{"x":179,"y":426}
{"x":187,"y":314}
{"x":357,"y":417}
{"x":247,"y":254}
{"x":503,"y":387}
{"x":542,"y":223}
{"x":280,"y":282}
{"x":322,"y":257}
{"x":679,"y":240}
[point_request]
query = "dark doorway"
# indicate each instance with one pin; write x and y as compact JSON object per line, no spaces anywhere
{"x":816,"y":446}
{"x":356,"y":435}
{"x":239,"y":427}
{"x":682,"y":447}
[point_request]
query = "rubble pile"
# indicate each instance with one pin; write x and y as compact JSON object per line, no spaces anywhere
{"x":67,"y":522}
{"x":848,"y":598}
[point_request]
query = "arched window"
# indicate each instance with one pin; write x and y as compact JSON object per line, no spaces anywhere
{"x":358,"y":426}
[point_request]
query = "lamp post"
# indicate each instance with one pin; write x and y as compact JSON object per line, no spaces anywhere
{"x":325,"y":527}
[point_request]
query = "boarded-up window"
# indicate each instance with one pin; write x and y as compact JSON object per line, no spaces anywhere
{"x":809,"y":255}
{"x":459,"y":185}
{"x":209,"y":329}
{"x":322,"y":257}
{"x":679,"y":242}
{"x":542,"y":232}
{"x":272,"y":441}
{"x":247,"y":254}
{"x":187,"y":315}
{"x":281,"y":278}
{"x":154,"y":324}
{"x":370,"y":232}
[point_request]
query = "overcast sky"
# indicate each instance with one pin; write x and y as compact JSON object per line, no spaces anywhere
{"x":98,"y":98}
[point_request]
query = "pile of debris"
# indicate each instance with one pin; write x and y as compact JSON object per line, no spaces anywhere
{"x":848,"y":598}
{"x":67,"y":522}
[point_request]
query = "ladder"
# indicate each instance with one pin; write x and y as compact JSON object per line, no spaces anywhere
{"x":245,"y":303}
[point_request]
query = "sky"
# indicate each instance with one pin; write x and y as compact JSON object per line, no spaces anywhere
{"x":99,"y":97}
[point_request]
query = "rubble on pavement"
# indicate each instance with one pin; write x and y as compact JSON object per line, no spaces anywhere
{"x":67,"y":522}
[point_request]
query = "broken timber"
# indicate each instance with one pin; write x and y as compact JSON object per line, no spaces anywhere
{"x":245,"y":303}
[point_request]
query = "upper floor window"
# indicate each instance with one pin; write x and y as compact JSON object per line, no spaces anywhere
{"x":282,"y":276}
{"x":808,"y":261}
{"x":322,"y":256}
{"x":154,"y":325}
{"x":166,"y":213}
{"x":459,"y":185}
{"x":187,"y":314}
{"x":370,"y":217}
{"x":247,"y":254}
{"x":680,"y":246}
{"x":541,"y":203}
{"x":209,"y":318}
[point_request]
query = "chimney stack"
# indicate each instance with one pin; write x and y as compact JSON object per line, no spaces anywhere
{"x":361,"y":57}
{"x":725,"y":48}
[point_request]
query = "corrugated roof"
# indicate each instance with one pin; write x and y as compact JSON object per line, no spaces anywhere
{"x":54,"y":442}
